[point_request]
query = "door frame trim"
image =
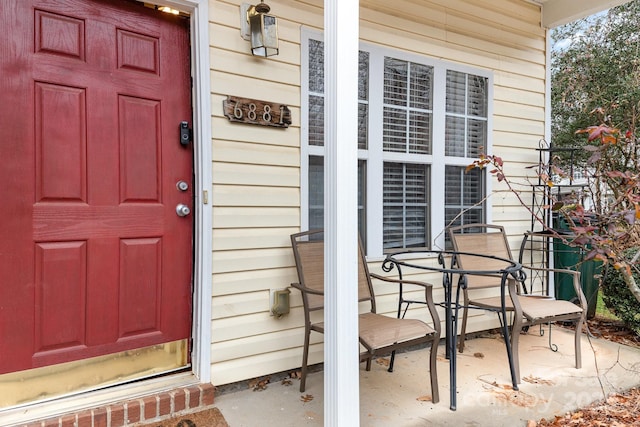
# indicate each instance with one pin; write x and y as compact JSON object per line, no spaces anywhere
{"x":203,"y":222}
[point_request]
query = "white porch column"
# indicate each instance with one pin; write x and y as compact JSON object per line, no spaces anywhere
{"x":341,"y":379}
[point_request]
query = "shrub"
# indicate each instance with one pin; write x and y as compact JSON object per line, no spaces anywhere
{"x":619,"y":299}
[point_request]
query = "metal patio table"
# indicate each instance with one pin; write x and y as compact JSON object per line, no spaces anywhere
{"x":451,"y":304}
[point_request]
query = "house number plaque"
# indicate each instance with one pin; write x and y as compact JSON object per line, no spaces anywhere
{"x":256,"y":112}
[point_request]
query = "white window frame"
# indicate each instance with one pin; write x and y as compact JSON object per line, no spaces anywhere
{"x":375,"y":156}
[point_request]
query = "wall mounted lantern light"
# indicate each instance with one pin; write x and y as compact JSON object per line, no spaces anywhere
{"x":167,"y":9}
{"x":260,"y":28}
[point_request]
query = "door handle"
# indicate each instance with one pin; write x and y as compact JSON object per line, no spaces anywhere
{"x":182,"y":210}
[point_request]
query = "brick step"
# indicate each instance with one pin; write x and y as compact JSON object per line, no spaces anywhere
{"x":147,"y":410}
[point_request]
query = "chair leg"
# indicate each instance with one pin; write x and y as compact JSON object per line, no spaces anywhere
{"x":305,"y":357}
{"x":515,"y":339}
{"x":433,"y":373}
{"x":463,"y":329}
{"x":552,"y":346}
{"x":578,"y":342}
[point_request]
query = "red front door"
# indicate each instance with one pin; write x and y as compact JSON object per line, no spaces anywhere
{"x":93,"y":256}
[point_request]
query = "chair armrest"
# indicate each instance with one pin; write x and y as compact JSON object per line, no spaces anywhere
{"x":398,"y":281}
{"x":555,"y":270}
{"x":304,"y":289}
{"x":576,"y":281}
{"x":428,"y":295}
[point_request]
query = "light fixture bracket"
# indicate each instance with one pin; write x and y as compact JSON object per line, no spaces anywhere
{"x":245,"y":27}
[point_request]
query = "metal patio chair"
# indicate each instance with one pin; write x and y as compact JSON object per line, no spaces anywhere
{"x":378,"y":334}
{"x":527,"y":308}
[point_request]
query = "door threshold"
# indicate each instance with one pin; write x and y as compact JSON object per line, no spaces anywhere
{"x":97,"y":398}
{"x":37,"y":385}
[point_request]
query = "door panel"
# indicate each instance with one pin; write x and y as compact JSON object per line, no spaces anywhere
{"x":93,"y":258}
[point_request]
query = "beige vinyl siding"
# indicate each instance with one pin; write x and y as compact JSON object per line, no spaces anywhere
{"x":256,"y":202}
{"x":256,"y":170}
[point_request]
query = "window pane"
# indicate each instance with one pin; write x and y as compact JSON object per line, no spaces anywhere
{"x":421,"y":86}
{"x":456,"y":88}
{"x":463,"y":189}
{"x":394,"y":136}
{"x":453,"y":186}
{"x":473,"y":187}
{"x":415,"y":227}
{"x":477,"y":137}
{"x":415,"y":185}
{"x":478,"y":96}
{"x":393,"y":189}
{"x":363,"y":75}
{"x":395,"y":81}
{"x":464,"y":194}
{"x":363,"y":96}
{"x":316,"y":120}
{"x":407,"y":126}
{"x":470,"y":216}
{"x":316,"y":100}
{"x":473,"y":215}
{"x":392,"y":228}
{"x":450,"y":220}
{"x":316,"y":195}
{"x":362,"y":201}
{"x":392,"y":205}
{"x":466,"y":115}
{"x":316,"y":66}
{"x":420,"y":132}
{"x":363,"y":121}
{"x":405,"y":196}
{"x":454,"y":136}
{"x":316,"y":192}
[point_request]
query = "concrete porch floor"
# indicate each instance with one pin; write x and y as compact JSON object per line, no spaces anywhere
{"x":550,"y":386}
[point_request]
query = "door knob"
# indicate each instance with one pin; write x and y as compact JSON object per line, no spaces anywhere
{"x":182,"y":210}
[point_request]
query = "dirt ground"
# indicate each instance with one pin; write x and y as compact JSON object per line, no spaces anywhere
{"x":618,"y":409}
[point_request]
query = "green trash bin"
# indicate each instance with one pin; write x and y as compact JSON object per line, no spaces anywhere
{"x":570,"y":258}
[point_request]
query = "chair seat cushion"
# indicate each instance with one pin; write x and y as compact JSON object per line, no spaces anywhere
{"x":534,"y":307}
{"x":379,"y":331}
{"x":541,"y":308}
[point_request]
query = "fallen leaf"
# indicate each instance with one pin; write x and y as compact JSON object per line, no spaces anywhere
{"x":478,"y":355}
{"x":259,"y":384}
{"x":536,"y":380}
{"x":618,"y":410}
{"x":286,"y":381}
{"x":295,"y":374}
{"x":519,"y":398}
{"x":577,"y":415}
{"x":424,"y":398}
{"x":382,"y":361}
{"x":531,"y":423}
{"x":306,"y":398}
